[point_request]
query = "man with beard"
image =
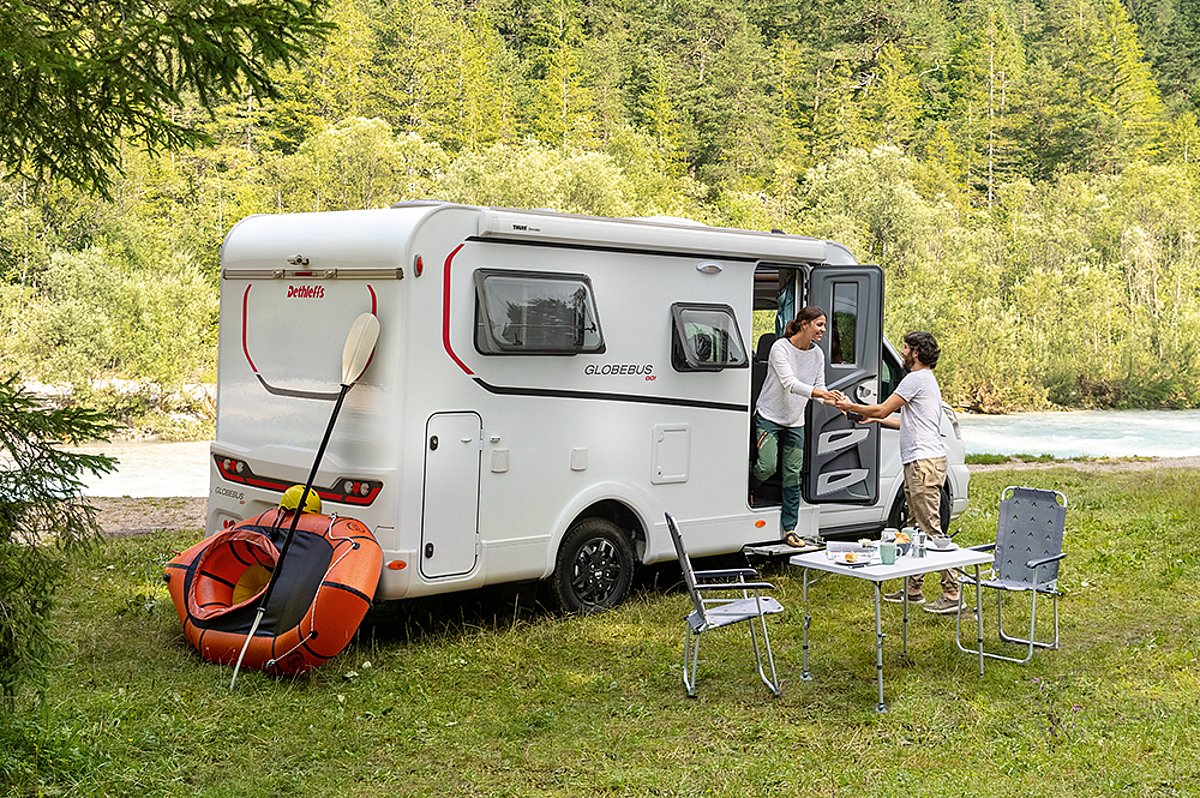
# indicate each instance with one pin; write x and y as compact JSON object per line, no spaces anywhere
{"x":919,"y":402}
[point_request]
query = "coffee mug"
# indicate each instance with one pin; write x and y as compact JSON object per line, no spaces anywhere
{"x":887,"y":552}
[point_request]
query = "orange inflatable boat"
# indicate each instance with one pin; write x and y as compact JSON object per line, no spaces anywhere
{"x":322,"y":594}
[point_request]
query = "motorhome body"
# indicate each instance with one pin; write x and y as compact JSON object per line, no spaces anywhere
{"x":544,"y":387}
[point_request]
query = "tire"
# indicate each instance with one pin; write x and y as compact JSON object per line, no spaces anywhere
{"x":898,"y":517}
{"x":594,"y":568}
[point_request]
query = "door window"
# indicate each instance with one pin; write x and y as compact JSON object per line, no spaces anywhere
{"x":535,"y":313}
{"x":845,"y":325}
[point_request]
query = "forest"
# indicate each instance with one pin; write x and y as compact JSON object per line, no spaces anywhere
{"x":1024,"y":171}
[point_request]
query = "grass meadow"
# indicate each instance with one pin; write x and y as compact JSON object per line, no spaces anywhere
{"x":486,"y":694}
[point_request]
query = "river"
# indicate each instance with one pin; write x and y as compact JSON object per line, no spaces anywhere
{"x":181,"y":469}
{"x":1086,"y":433}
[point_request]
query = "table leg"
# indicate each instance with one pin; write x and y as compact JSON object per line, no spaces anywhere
{"x":805,"y":674}
{"x":979,"y":619}
{"x":880,"y":707}
{"x":904,"y":626}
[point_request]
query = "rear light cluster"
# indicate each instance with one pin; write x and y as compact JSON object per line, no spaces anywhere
{"x":355,"y":492}
{"x":357,"y":488}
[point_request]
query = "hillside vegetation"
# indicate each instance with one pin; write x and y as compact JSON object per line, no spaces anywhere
{"x":1024,"y":171}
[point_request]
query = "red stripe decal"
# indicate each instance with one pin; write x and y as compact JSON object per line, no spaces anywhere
{"x":375,"y":313}
{"x":446,"y":312}
{"x":245,"y":348}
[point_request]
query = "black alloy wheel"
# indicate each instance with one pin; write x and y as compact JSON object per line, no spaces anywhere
{"x":594,"y":568}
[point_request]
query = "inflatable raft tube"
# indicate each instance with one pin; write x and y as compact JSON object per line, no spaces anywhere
{"x":323,"y":592}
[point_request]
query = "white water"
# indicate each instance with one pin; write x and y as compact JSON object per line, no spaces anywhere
{"x":1086,"y":433}
{"x":181,"y":469}
{"x":152,"y":469}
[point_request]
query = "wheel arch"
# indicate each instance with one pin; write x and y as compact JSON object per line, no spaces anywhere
{"x":621,"y":514}
{"x":621,"y":504}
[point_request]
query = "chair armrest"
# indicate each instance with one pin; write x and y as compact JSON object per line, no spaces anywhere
{"x":1045,"y":561}
{"x":983,"y":547}
{"x":725,"y":573}
{"x":738,"y":586}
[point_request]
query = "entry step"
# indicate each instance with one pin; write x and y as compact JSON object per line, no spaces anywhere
{"x":779,"y":549}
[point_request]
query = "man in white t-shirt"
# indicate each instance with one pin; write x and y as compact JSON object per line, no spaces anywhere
{"x":919,"y":402}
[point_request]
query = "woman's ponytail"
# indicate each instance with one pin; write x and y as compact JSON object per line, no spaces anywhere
{"x":805,"y":314}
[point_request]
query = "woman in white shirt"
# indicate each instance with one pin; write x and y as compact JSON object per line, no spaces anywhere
{"x":796,"y":374}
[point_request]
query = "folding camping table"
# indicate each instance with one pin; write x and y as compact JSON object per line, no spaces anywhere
{"x":877,"y":573}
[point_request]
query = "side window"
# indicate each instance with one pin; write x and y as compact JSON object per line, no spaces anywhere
{"x":845,"y":325}
{"x":535,"y":313}
{"x":705,"y":338}
{"x":891,"y":372}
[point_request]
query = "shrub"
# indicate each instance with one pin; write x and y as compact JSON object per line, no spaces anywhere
{"x":43,"y":518}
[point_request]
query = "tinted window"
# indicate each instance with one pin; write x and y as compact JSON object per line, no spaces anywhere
{"x":891,"y":372}
{"x":531,"y":313}
{"x":706,"y":338}
{"x":845,"y":324}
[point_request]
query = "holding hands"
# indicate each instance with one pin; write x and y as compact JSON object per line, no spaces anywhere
{"x":830,"y":397}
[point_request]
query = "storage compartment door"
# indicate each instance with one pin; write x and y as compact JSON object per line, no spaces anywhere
{"x":450,"y":512}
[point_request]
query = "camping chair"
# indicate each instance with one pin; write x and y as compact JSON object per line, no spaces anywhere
{"x":1029,"y":537}
{"x":715,"y":613}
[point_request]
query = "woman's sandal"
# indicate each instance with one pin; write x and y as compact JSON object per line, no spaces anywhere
{"x":792,"y":539}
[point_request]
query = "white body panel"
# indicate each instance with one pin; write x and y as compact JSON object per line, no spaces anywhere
{"x":526,"y":444}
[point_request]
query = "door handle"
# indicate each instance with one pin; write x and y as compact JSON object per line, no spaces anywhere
{"x":865,"y":393}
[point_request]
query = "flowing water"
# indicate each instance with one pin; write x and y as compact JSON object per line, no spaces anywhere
{"x":181,"y":469}
{"x":1086,"y":433}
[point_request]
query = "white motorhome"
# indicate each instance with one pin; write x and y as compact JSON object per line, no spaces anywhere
{"x":544,"y":387}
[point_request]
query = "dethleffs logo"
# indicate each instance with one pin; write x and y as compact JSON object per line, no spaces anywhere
{"x":306,"y":292}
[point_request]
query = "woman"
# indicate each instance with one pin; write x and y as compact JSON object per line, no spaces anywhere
{"x":796,"y":374}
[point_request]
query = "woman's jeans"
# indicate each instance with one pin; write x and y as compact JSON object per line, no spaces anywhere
{"x":769,"y":435}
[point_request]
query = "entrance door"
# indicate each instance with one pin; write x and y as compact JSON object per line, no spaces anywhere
{"x":842,"y":457}
{"x":450,"y":513}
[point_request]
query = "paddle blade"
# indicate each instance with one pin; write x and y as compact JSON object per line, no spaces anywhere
{"x":360,"y":344}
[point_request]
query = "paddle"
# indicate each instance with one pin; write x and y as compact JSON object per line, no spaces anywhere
{"x":356,"y":355}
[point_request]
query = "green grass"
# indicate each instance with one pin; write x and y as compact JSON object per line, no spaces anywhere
{"x":483,"y":695}
{"x":1015,"y":459}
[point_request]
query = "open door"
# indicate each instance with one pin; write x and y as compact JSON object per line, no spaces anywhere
{"x":841,"y":458}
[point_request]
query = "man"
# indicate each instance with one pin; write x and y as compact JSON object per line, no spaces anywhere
{"x":919,"y":401}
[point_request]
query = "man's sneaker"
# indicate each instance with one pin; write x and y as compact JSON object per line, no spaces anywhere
{"x":943,"y":606}
{"x":898,"y":597}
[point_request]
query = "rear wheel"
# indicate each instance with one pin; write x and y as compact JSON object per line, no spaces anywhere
{"x":594,"y":568}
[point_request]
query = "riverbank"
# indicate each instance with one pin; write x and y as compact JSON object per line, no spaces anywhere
{"x":125,"y":516}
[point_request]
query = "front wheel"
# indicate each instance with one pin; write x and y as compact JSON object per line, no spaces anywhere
{"x":899,"y":517}
{"x":594,"y":568}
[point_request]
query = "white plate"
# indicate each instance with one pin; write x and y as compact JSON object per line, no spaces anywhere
{"x":953,"y":546}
